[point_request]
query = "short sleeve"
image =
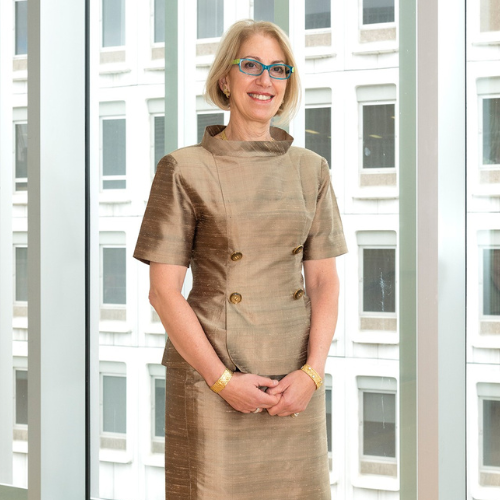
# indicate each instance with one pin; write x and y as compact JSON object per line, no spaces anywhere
{"x":169,"y":223}
{"x":326,"y":236}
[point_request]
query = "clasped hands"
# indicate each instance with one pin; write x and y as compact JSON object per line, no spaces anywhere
{"x":247,"y":393}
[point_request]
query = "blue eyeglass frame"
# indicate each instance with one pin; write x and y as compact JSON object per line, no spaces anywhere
{"x":264,"y":67}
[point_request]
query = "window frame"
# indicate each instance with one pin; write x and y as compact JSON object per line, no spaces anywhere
{"x":111,"y":48}
{"x":18,"y":426}
{"x":482,"y":467}
{"x":482,"y":166}
{"x":214,"y":39}
{"x":14,"y":281}
{"x":107,"y":372}
{"x":327,"y":29}
{"x":377,"y":170}
{"x":153,"y":25}
{"x":154,"y":163}
{"x":24,"y":54}
{"x":16,"y":179}
{"x":102,"y":304}
{"x":485,"y":317}
{"x":376,"y":26}
{"x":322,"y":106}
{"x":154,"y":437}
{"x":102,"y":177}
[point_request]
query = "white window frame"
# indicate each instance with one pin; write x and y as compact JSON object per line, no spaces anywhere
{"x":104,"y":305}
{"x":377,"y":26}
{"x":156,"y":372}
{"x":17,"y":56}
{"x":104,"y":433}
{"x":376,"y":314}
{"x":14,"y":153}
{"x":378,"y":384}
{"x":152,"y":24}
{"x":212,"y":39}
{"x":482,"y":166}
{"x":482,"y":467}
{"x":323,"y":106}
{"x":101,"y":160}
{"x":101,"y":27}
{"x":14,"y":281}
{"x":18,"y":368}
{"x":482,"y":316}
{"x":318,"y":31}
{"x":382,"y":170}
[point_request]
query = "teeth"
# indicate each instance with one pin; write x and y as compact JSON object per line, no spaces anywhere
{"x":261,"y":97}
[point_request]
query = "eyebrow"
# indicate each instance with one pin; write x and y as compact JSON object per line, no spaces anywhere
{"x":257,"y":58}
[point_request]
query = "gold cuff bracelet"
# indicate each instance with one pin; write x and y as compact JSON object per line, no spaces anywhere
{"x":313,"y":374}
{"x":222,"y":382}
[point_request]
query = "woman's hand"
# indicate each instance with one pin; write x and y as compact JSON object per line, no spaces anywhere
{"x":243,"y":392}
{"x":296,"y":390}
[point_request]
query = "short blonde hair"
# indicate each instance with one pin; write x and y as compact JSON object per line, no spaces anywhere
{"x":227,"y":51}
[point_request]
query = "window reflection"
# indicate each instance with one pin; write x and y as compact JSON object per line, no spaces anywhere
{"x":113,"y":23}
{"x":378,"y":11}
{"x":210,"y":18}
{"x":21,"y":28}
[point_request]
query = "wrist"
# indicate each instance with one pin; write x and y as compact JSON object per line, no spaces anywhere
{"x":313,"y":374}
{"x":222,"y":381}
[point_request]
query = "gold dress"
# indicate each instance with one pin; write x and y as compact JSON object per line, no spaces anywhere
{"x":244,"y":215}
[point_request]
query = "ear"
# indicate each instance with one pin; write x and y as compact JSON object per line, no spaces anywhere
{"x":223,"y":82}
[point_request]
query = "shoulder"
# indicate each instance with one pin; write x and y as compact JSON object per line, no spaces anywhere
{"x":184,"y":160}
{"x":309,"y":162}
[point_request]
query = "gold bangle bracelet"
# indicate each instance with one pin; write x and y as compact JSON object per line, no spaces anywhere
{"x":313,"y":374}
{"x":222,"y":382}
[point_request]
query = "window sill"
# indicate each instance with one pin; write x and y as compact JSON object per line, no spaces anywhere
{"x":20,"y":322}
{"x":119,"y":457}
{"x":20,"y":198}
{"x":115,"y":196}
{"x":114,"y":69}
{"x":376,"y":194}
{"x":158,"y":65}
{"x":114,"y":327}
{"x":155,"y":460}
{"x":20,"y":447}
{"x":319,"y":53}
{"x":373,"y":482}
{"x":376,"y":49}
{"x":375,"y":337}
{"x":154,"y":329}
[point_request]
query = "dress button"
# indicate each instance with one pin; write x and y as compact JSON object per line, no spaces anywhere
{"x":235,"y":298}
{"x":298,"y":294}
{"x":236,"y":256}
{"x":298,"y":249}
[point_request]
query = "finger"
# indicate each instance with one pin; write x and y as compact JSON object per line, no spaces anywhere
{"x":265,"y":381}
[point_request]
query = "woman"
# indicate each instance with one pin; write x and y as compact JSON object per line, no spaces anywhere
{"x":248,"y":347}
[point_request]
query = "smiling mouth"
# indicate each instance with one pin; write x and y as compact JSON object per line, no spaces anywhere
{"x":261,"y":97}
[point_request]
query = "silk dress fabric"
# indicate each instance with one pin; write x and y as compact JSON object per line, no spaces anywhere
{"x":273,"y":204}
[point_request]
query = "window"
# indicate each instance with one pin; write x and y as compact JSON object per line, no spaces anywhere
{"x":159,"y":408}
{"x":378,"y":11}
{"x":159,"y":21}
{"x":319,"y":131}
{"x":328,"y":403}
{"x":378,"y":442}
{"x":159,"y":139}
{"x":113,"y":23}
{"x":114,"y":161}
{"x":21,"y":406}
{"x":207,"y":119}
{"x":210,"y":18}
{"x":114,"y":276}
{"x":317,"y":14}
{"x":491,"y":131}
{"x":378,"y":136}
{"x":491,"y":281}
{"x":21,"y":282}
{"x":114,"y":414}
{"x":21,"y":14}
{"x":379,"y":274}
{"x":263,"y":10}
{"x":489,"y":15}
{"x":491,"y":433}
{"x":21,"y":156}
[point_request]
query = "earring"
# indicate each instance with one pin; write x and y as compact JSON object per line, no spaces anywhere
{"x":226,"y":91}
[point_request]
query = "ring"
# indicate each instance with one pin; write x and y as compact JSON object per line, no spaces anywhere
{"x":257,"y":410}
{"x":294,"y":415}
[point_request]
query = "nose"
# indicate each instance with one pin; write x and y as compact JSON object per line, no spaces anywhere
{"x":265,"y":78}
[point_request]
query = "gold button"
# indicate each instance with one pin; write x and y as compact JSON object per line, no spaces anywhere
{"x":236,"y":256}
{"x":298,"y":249}
{"x":235,"y":298}
{"x":298,"y":294}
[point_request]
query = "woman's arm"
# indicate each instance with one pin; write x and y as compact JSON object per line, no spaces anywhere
{"x":322,"y":287}
{"x":186,"y":334}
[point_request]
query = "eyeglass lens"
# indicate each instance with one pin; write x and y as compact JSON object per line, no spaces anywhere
{"x":255,"y":68}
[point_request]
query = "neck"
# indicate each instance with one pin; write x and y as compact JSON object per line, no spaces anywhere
{"x":247,"y":131}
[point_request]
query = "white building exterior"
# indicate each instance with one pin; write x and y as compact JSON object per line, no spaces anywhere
{"x":349,"y":67}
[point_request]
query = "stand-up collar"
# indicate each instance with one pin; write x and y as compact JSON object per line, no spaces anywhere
{"x":280,"y":145}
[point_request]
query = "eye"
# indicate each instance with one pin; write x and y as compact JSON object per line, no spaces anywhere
{"x":248,"y":65}
{"x":279,"y":69}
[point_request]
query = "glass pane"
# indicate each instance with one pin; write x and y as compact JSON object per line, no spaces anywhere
{"x":491,"y":131}
{"x":21,"y":274}
{"x":159,"y":424}
{"x":159,"y":21}
{"x":21,"y":27}
{"x":159,"y":124}
{"x":319,"y":132}
{"x":207,"y":119}
{"x":378,"y":11}
{"x":21,"y":132}
{"x":113,"y":149}
{"x":379,"y":424}
{"x":317,"y":14}
{"x":113,"y":23}
{"x":328,"y":405}
{"x":491,"y":433}
{"x":114,"y":404}
{"x":210,"y":18}
{"x":114,"y":276}
{"x":491,"y":282}
{"x":263,"y":10}
{"x":378,"y":136}
{"x":379,"y":274}
{"x":21,"y":397}
{"x":489,"y":15}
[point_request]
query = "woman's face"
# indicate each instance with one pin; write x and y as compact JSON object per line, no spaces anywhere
{"x":256,"y":98}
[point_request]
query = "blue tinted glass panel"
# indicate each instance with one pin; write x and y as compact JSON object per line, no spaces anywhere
{"x":319,"y":131}
{"x":159,"y":21}
{"x":113,"y":23}
{"x":114,"y":276}
{"x":379,"y":424}
{"x":210,"y":18}
{"x":378,"y":11}
{"x":379,"y":142}
{"x":318,"y":14}
{"x":21,"y":13}
{"x":114,"y":407}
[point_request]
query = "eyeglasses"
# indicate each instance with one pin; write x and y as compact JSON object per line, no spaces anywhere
{"x":278,"y":71}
